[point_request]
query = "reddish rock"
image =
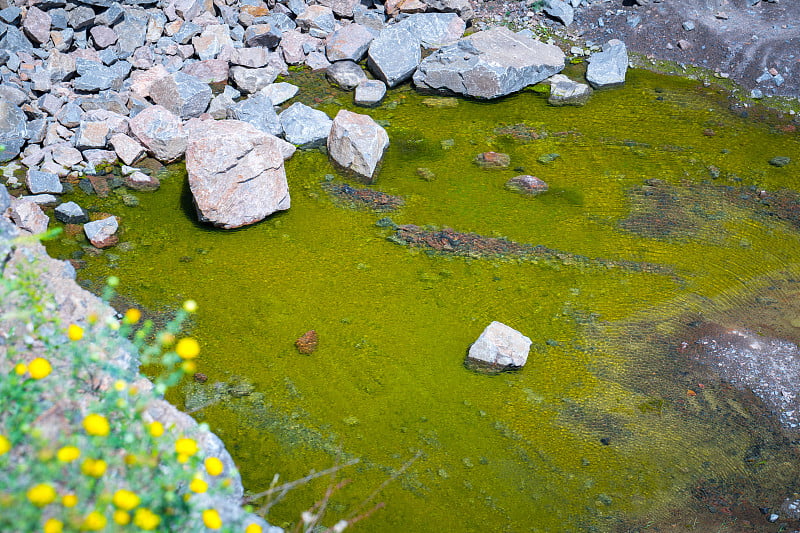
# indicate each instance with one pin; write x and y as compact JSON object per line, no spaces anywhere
{"x":139,"y":181}
{"x":100,"y":185}
{"x":493,"y":160}
{"x":307,"y":344}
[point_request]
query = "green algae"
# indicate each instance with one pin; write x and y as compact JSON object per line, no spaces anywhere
{"x":597,"y":430}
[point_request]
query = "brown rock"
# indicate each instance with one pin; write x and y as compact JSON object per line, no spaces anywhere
{"x":491,"y":160}
{"x":307,"y":344}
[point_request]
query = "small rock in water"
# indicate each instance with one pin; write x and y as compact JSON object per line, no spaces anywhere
{"x":548,"y":158}
{"x":102,"y":233}
{"x":527,"y":184}
{"x":779,"y":161}
{"x":498,"y":348}
{"x":493,"y":160}
{"x":307,"y":344}
{"x":426,"y":174}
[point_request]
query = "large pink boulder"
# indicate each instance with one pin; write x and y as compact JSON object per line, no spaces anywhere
{"x":161,"y":132}
{"x":357,"y":143}
{"x":236,"y":172}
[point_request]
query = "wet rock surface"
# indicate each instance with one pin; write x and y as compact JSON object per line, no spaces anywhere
{"x":354,"y":197}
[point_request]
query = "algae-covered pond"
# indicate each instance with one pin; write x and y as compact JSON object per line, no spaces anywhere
{"x":655,"y":218}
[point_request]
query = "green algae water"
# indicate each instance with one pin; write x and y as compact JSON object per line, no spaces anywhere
{"x":605,"y":428}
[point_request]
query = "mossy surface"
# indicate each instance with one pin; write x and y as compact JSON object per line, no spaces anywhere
{"x":579,"y":438}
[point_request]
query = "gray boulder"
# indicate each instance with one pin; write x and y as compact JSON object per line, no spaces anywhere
{"x":608,"y":68}
{"x":182,"y":94}
{"x":211,"y":41}
{"x":39,"y":182}
{"x":564,"y":91}
{"x":305,"y":126}
{"x":345,"y":74}
{"x":258,"y":111}
{"x":15,"y":41}
{"x":132,"y":32}
{"x":92,"y":134}
{"x":236,"y":173}
{"x":13,"y":130}
{"x":278,"y":93}
{"x":161,"y":132}
{"x":342,"y":8}
{"x":348,"y":42}
{"x":394,"y":55}
{"x":37,"y":25}
{"x":317,"y":20}
{"x":435,"y":30}
{"x":71,"y":213}
{"x":357,"y":143}
{"x":369,"y":93}
{"x":251,"y":80}
{"x":559,"y":10}
{"x":498,"y":348}
{"x":463,"y":8}
{"x":102,"y":233}
{"x":489,"y":64}
{"x":127,"y":149}
{"x":5,"y":199}
{"x":94,"y":76}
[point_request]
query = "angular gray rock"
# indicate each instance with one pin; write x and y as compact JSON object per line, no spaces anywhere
{"x":278,"y":93}
{"x":139,"y":181}
{"x":211,"y":41}
{"x":37,"y":25}
{"x":559,"y":10}
{"x":94,"y":76}
{"x":499,"y":347}
{"x":463,"y":8}
{"x":92,"y":135}
{"x":435,"y":30}
{"x":251,"y":80}
{"x":608,"y":68}
{"x":305,"y":126}
{"x":357,"y":143}
{"x":132,"y":31}
{"x":182,"y":94}
{"x":258,"y":111}
{"x":103,"y":36}
{"x":564,"y":91}
{"x":264,"y":35}
{"x":317,"y":20}
{"x":39,"y":182}
{"x":71,"y":213}
{"x":13,"y":130}
{"x":394,"y":55}
{"x":342,"y":8}
{"x":348,"y":42}
{"x":489,"y":64}
{"x":236,"y":173}
{"x":102,"y":233}
{"x":527,"y":184}
{"x":208,"y":71}
{"x":66,"y":155}
{"x":345,"y":74}
{"x":161,"y":132}
{"x":369,"y":93}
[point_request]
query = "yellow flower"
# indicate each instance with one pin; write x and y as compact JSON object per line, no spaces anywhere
{"x":94,"y":521}
{"x":39,"y":368}
{"x":198,"y":486}
{"x":156,"y":428}
{"x":190,"y":306}
{"x":20,"y":369}
{"x":93,"y":467}
{"x":67,"y":454}
{"x":214,"y":466}
{"x":146,"y":519}
{"x":211,"y":519}
{"x":186,"y":446}
{"x":74,"y":332}
{"x":166,"y":339}
{"x":95,"y":424}
{"x":122,"y":518}
{"x":69,"y":500}
{"x":253,"y":528}
{"x":187,"y":348}
{"x":53,"y":526}
{"x":119,"y":385}
{"x":188,"y":366}
{"x":125,"y":499}
{"x":41,"y":494}
{"x":132,"y":316}
{"x":5,"y":445}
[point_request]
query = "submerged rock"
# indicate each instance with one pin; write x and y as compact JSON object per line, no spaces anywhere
{"x":498,"y":348}
{"x":564,"y":91}
{"x":489,"y":64}
{"x":307,"y":344}
{"x":102,"y":233}
{"x":236,"y":172}
{"x":527,"y":184}
{"x":490,"y":160}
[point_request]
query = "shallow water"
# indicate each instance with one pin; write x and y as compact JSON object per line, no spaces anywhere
{"x":598,"y":431}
